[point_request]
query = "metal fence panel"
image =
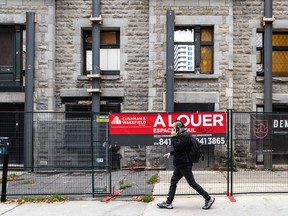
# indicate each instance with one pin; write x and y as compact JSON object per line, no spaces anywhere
{"x":72,"y":155}
{"x":260,"y":156}
{"x":62,"y":159}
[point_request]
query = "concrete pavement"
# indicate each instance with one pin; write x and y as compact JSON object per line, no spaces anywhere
{"x":261,"y":205}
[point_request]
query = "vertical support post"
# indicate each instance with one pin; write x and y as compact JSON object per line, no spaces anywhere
{"x":228,"y":144}
{"x":170,"y":68}
{"x":197,"y":49}
{"x":29,"y":77}
{"x":97,"y":149}
{"x":268,"y":71}
{"x":170,"y":62}
{"x":229,"y":153}
{"x":268,"y":57}
{"x":4,"y":150}
{"x":92,"y":155}
{"x":96,"y":56}
{"x":18,"y":56}
{"x":4,"y":177}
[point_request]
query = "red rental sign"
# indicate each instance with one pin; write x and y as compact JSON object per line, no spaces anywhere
{"x":154,"y":129}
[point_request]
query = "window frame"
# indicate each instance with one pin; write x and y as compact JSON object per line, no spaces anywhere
{"x":274,"y":48}
{"x":198,"y":44}
{"x":17,"y":71}
{"x":88,"y":46}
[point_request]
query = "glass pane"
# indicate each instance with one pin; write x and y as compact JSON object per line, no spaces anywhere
{"x":110,"y":59}
{"x":108,"y":38}
{"x":280,"y":63}
{"x":88,"y":38}
{"x":23,"y":56}
{"x":206,"y":35}
{"x":280,"y":40}
{"x":184,"y":57}
{"x":184,"y":35}
{"x":6,"y":49}
{"x":260,"y":71}
{"x":259,"y":56}
{"x":88,"y":61}
{"x":206,"y":60}
{"x":259,"y":40}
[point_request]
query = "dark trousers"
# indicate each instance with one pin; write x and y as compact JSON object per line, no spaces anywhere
{"x":178,"y":173}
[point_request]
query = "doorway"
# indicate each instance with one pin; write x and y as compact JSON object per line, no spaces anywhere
{"x":208,"y":150}
{"x":12,"y":126}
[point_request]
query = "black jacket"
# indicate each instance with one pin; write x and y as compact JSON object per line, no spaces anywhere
{"x":181,"y":144}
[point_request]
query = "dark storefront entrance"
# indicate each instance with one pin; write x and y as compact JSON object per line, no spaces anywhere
{"x":208,"y":150}
{"x":11,"y":126}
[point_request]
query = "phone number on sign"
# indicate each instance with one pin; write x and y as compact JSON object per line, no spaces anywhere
{"x":202,"y":140}
{"x":211,"y":140}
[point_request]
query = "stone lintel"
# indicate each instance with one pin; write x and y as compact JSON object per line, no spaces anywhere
{"x":105,"y":92}
{"x":196,"y":97}
{"x":12,"y":97}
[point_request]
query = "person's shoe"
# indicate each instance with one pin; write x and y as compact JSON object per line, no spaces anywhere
{"x":208,"y":203}
{"x":164,"y":204}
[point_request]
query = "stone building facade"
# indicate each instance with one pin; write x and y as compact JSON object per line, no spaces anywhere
{"x":139,"y":83}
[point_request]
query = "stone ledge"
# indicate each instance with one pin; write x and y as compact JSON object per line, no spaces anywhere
{"x":195,"y":76}
{"x":274,"y":79}
{"x":103,"y":77}
{"x":196,"y":97}
{"x":82,"y":92}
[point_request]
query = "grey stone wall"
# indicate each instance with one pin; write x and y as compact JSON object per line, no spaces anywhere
{"x":143,"y":43}
{"x":14,"y":12}
{"x":132,"y":18}
{"x":142,"y":79}
{"x":248,"y":90}
{"x":218,"y":85}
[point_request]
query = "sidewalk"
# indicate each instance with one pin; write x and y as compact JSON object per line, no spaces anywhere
{"x":261,"y":205}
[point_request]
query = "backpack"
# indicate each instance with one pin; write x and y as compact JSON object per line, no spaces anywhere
{"x":195,"y":152}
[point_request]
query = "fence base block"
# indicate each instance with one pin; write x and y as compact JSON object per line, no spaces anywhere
{"x":116,"y":193}
{"x":230,"y":197}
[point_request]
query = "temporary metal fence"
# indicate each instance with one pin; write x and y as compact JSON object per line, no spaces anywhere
{"x":259,"y":152}
{"x":61,"y":153}
{"x":72,"y":155}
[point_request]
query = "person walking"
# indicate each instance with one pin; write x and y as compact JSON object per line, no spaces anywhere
{"x":182,"y":166}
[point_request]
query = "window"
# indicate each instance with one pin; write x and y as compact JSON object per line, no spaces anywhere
{"x":193,"y":49}
{"x":279,"y":54}
{"x":109,"y":52}
{"x":11,"y":48}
